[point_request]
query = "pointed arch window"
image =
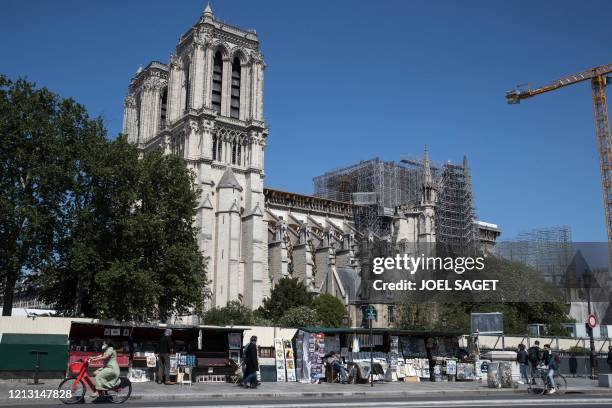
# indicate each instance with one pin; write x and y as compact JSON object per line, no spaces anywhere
{"x":235,"y":92}
{"x":163,"y":108}
{"x":217,"y":82}
{"x":187,"y":84}
{"x":138,"y":118}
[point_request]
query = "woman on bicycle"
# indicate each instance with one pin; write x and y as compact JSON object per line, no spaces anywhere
{"x":107,"y":376}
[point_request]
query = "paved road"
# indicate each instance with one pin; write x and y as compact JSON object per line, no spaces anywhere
{"x":571,"y":400}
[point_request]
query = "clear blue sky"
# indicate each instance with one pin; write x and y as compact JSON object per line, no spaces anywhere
{"x":349,"y":80}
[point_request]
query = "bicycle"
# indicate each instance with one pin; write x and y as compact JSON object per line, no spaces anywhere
{"x":540,"y":384}
{"x":73,"y":389}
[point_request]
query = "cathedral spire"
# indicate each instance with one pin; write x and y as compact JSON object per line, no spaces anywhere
{"x":426,"y":168}
{"x":208,"y":11}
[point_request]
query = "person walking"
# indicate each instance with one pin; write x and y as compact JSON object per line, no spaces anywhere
{"x":552,"y":361}
{"x":163,"y":350}
{"x":251,"y":364}
{"x":535,"y":357}
{"x":609,"y":359}
{"x":523,"y":360}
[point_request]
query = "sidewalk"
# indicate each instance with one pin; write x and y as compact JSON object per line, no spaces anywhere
{"x":154,"y":392}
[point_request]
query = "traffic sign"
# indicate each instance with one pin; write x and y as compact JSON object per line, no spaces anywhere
{"x":371,"y":313}
{"x":592,"y":321}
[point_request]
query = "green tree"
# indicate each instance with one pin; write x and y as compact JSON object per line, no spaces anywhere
{"x":330,"y":310}
{"x":287,"y":293}
{"x":36,"y":129}
{"x":520,"y":281}
{"x":234,"y":313}
{"x":299,"y":316}
{"x":90,"y":226}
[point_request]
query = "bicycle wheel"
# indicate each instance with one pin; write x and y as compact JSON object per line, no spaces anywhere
{"x":540,"y":385}
{"x":71,"y":391}
{"x":120,"y":393}
{"x":560,"y":384}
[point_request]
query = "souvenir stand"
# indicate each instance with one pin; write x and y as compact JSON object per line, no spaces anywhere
{"x":203,"y":352}
{"x":399,"y":355}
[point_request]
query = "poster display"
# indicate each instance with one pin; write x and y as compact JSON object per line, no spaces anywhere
{"x":393,"y":356}
{"x":316,"y":350}
{"x":279,"y":356}
{"x":234,"y":341}
{"x":289,"y":361}
{"x":451,"y":367}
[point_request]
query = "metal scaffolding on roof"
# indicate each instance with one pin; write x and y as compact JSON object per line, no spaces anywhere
{"x":377,"y":187}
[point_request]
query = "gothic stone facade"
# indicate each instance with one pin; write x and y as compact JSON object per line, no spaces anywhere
{"x":205,"y":105}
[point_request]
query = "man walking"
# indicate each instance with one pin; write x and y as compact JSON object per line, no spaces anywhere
{"x":609,"y":359}
{"x":523,"y":360}
{"x":251,"y":363}
{"x":163,"y":350}
{"x":534,"y":359}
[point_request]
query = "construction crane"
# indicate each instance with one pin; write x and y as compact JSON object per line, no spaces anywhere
{"x":599,"y":80}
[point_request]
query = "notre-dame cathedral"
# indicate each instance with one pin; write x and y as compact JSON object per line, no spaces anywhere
{"x":206,"y":105}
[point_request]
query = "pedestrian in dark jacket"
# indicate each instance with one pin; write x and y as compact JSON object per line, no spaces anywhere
{"x":609,"y":359}
{"x":523,"y":359}
{"x":534,"y":358}
{"x":164,"y":349}
{"x":251,"y":364}
{"x":573,"y":364}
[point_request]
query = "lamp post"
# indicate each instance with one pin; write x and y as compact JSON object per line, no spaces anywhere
{"x":588,"y":281}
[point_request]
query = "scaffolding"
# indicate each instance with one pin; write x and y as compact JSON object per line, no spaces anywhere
{"x":455,"y":213}
{"x":547,"y":250}
{"x":378,"y":187}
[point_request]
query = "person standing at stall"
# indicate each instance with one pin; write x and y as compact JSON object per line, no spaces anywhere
{"x":251,"y":364}
{"x":163,"y":350}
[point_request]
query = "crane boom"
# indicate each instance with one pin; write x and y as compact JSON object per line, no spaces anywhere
{"x":515,"y":96}
{"x":602,"y":127}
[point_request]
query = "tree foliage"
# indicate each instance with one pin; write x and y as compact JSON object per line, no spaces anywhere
{"x":234,"y":313}
{"x":287,"y":293}
{"x":299,"y":316}
{"x":330,"y":310}
{"x":520,"y":281}
{"x":100,"y":232}
{"x":36,"y":132}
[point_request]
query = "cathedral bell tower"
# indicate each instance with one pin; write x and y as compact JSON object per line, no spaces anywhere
{"x":206,"y":105}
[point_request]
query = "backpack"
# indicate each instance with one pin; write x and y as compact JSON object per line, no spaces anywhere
{"x":534,"y":354}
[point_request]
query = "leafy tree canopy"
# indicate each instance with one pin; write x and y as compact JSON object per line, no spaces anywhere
{"x":234,"y":313}
{"x":299,"y":316}
{"x":95,"y":230}
{"x":330,"y":310}
{"x":287,"y":293}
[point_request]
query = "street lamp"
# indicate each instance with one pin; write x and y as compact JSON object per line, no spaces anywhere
{"x":587,"y":279}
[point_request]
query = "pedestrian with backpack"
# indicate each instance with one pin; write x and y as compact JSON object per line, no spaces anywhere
{"x":552,"y":361}
{"x":534,"y":359}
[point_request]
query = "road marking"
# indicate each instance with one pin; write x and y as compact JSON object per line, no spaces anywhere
{"x":424,"y":404}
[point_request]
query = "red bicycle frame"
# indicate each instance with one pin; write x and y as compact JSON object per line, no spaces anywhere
{"x":83,"y":377}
